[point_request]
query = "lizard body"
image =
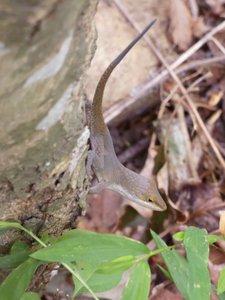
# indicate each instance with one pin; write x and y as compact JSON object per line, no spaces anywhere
{"x":102,"y":158}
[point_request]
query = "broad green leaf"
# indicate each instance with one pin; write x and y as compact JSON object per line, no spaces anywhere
{"x":19,"y":246}
{"x":138,"y":286}
{"x":119,"y":264}
{"x":18,"y":254}
{"x":90,"y":249}
{"x":107,"y":276}
{"x":214,"y":289}
{"x":14,"y":286}
{"x":30,"y":296}
{"x":86,"y":272}
{"x":13,"y":260}
{"x":221,"y":282}
{"x":99,"y":282}
{"x":221,"y":296}
{"x":80,"y":279}
{"x":197,"y":252}
{"x":179,"y":236}
{"x":176,"y":265}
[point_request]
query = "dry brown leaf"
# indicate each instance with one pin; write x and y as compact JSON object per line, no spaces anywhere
{"x":222,"y":222}
{"x":102,"y":212}
{"x":177,"y":154}
{"x":215,"y":97}
{"x":164,"y":294}
{"x":180,"y":24}
{"x":217,"y":6}
{"x":206,"y":202}
{"x":199,"y":27}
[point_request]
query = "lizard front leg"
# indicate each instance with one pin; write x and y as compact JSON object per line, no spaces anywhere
{"x":98,"y":187}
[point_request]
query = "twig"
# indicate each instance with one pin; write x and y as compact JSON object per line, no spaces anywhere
{"x":134,"y":150}
{"x":165,"y":102}
{"x":181,"y":59}
{"x":118,"y":111}
{"x":205,"y":209}
{"x":191,"y":50}
{"x":190,"y":88}
{"x":183,"y":126}
{"x":199,"y":63}
{"x":196,"y":82}
{"x":194,"y":8}
{"x":218,"y":44}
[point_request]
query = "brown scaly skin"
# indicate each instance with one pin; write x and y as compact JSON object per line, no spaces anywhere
{"x":102,"y":159}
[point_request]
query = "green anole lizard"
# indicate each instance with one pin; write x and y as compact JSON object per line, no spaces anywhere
{"x":102,"y":159}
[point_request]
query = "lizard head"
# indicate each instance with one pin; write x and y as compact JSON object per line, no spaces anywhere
{"x":147,"y":194}
{"x":139,"y":189}
{"x":156,"y":203}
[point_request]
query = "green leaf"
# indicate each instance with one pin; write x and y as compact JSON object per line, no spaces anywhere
{"x":221,"y":296}
{"x":197,"y":252}
{"x":13,"y":260}
{"x":221,"y":282}
{"x":18,"y":254}
{"x":107,"y":276}
{"x":99,"y":282}
{"x":179,"y":236}
{"x":30,"y":296}
{"x":165,"y":272}
{"x":90,"y":249}
{"x":119,"y":264}
{"x":176,"y":264}
{"x":19,"y":246}
{"x":73,"y":270}
{"x":138,"y":286}
{"x":14,"y":286}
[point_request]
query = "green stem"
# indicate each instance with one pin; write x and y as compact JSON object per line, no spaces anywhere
{"x":35,"y":237}
{"x":77,"y":275}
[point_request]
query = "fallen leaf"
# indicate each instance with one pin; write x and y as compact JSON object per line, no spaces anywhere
{"x":159,"y":293}
{"x":222,"y":222}
{"x":180,"y":24}
{"x":217,"y":6}
{"x":199,"y":27}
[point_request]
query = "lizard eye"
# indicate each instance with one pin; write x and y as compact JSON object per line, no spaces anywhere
{"x":152,"y":199}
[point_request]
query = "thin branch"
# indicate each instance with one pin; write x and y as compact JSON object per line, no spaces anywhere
{"x":199,"y":63}
{"x":117,"y":111}
{"x":183,"y":126}
{"x":218,"y":44}
{"x":169,"y":68}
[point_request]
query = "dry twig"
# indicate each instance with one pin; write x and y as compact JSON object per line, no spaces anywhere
{"x":218,"y":44}
{"x":133,"y":103}
{"x":169,"y":68}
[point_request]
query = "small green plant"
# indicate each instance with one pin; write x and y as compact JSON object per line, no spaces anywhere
{"x":98,"y":261}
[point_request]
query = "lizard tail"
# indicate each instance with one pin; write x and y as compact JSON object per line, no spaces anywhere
{"x":97,"y":101}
